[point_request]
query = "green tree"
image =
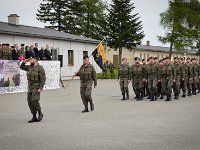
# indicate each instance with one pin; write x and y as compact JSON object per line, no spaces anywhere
{"x":125,"y":29}
{"x":180,"y":22}
{"x":52,"y":12}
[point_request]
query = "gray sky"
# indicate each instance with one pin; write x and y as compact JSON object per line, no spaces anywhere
{"x":148,"y":10}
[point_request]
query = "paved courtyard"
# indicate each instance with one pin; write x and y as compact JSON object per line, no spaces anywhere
{"x":114,"y":125}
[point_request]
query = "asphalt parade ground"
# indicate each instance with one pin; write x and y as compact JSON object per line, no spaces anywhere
{"x":113,"y":125}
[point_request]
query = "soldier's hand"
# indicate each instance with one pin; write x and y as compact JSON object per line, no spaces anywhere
{"x":158,"y":80}
{"x":39,"y":90}
{"x":174,"y":80}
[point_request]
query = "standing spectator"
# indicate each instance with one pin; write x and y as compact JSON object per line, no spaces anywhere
{"x":27,"y":52}
{"x":47,"y":53}
{"x":32,"y":52}
{"x":15,"y":52}
{"x":35,"y":49}
{"x":42,"y":55}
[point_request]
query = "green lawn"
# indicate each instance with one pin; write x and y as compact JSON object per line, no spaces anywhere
{"x":99,"y":75}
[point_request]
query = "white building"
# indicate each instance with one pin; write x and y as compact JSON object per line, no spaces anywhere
{"x":68,"y":48}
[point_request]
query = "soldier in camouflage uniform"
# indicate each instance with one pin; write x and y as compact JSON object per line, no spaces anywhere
{"x":168,"y":77}
{"x":124,"y":76}
{"x":145,"y":87}
{"x":179,"y":72}
{"x":137,"y":73}
{"x":195,"y":76}
{"x":190,"y":76}
{"x":152,"y":79}
{"x":160,"y":84}
{"x":6,"y":52}
{"x":87,"y":76}
{"x":36,"y":80}
{"x":111,"y":68}
{"x":105,"y":70}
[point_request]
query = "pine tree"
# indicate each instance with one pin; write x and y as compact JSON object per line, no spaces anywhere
{"x":51,"y":11}
{"x":125,"y":29}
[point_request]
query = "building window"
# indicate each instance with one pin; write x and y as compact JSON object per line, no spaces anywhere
{"x":158,"y":56}
{"x":140,"y":55}
{"x":144,"y":56}
{"x":85,"y":53}
{"x":70,"y":57}
{"x":147,"y":56}
{"x":162,"y":56}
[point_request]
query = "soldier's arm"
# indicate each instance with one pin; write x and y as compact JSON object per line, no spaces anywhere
{"x":42,"y":77}
{"x":94,"y":76}
{"x":23,"y":66}
{"x":174,"y":72}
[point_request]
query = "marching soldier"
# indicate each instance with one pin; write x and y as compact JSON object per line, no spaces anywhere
{"x":124,"y":76}
{"x":195,"y":76}
{"x":190,"y":76}
{"x":179,"y":72}
{"x":160,"y":83}
{"x":36,"y":80}
{"x":104,"y":70}
{"x":145,"y":88}
{"x":152,"y":79}
{"x":87,"y":76}
{"x":168,"y":77}
{"x":137,"y":76}
{"x":111,"y":68}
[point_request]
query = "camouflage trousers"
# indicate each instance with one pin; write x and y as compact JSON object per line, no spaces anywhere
{"x":152,"y":86}
{"x":177,"y":84}
{"x":195,"y":83}
{"x":33,"y":99}
{"x":167,"y":83}
{"x":137,"y":85}
{"x":124,"y":85}
{"x":86,"y":91}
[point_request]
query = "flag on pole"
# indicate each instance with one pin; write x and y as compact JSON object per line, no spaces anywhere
{"x":99,"y":55}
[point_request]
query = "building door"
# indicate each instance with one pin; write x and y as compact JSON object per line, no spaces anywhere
{"x":116,"y":60}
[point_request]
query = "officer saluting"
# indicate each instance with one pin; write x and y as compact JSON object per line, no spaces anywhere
{"x":87,"y":76}
{"x":36,"y":80}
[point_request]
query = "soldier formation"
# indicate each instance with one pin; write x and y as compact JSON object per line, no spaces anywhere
{"x":157,"y":78}
{"x":15,"y":52}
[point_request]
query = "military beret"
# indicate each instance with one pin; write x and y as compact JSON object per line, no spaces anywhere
{"x":176,"y":58}
{"x":137,"y":58}
{"x":85,"y":57}
{"x":188,"y":58}
{"x":155,"y":58}
{"x":193,"y":59}
{"x":143,"y":59}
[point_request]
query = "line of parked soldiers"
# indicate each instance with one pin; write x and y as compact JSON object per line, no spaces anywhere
{"x":108,"y":66}
{"x":156,"y":78}
{"x":8,"y":52}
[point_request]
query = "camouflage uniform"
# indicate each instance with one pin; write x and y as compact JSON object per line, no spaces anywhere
{"x":111,"y":68}
{"x":185,"y":78}
{"x":190,"y":78}
{"x":168,"y":75}
{"x":195,"y":78}
{"x":137,"y":76}
{"x":152,"y":80}
{"x":104,"y":70}
{"x":160,"y":83}
{"x":36,"y":80}
{"x":177,"y":84}
{"x":124,"y":76}
{"x":145,"y":87}
{"x":87,"y":76}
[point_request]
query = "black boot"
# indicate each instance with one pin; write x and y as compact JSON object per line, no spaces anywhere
{"x":152,"y":98}
{"x":86,"y":109}
{"x":142,"y":95}
{"x":34,"y":119}
{"x":183,"y":94}
{"x":161,"y":97}
{"x":156,"y":97}
{"x":189,"y":93}
{"x":194,"y":91}
{"x":123,"y":98}
{"x":127,"y":95}
{"x":149,"y":97}
{"x":138,"y":97}
{"x":91,"y":106}
{"x":40,"y":115}
{"x":176,"y":96}
{"x":168,"y":97}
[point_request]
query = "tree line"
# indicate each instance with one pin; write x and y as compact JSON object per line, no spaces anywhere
{"x":120,"y":24}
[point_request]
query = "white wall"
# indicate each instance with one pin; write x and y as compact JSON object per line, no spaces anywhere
{"x":62,"y":46}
